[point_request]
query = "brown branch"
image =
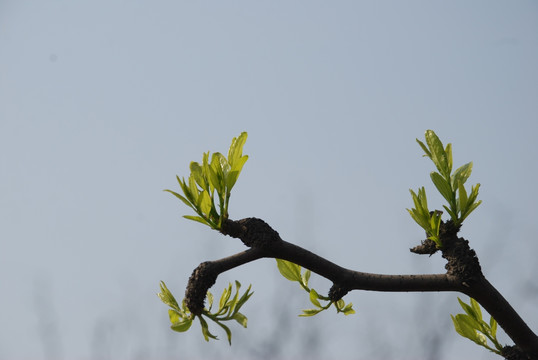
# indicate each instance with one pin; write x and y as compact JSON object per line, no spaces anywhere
{"x":505,"y":315}
{"x":355,"y":280}
{"x":463,"y":275}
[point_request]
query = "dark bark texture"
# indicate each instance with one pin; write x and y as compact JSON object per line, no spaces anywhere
{"x":463,"y":274}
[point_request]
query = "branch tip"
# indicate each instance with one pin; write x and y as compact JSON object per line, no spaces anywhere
{"x":337,"y":292}
{"x":202,"y":278}
{"x":253,"y":232}
{"x":426,"y":247}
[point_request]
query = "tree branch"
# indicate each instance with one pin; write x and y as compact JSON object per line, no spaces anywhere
{"x":505,"y":315}
{"x":463,"y":275}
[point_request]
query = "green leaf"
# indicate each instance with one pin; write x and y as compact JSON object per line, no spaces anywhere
{"x":471,"y":209}
{"x":420,"y":201}
{"x":197,"y":218}
{"x":476,"y":309}
{"x":205,"y":329}
{"x":204,"y":203}
{"x":231,"y":304}
{"x":311,"y":312}
{"x":474,"y":193}
{"x":306,"y":277}
{"x":423,"y":200}
{"x":207,"y":172}
{"x":464,"y":328}
{"x":289,"y":270}
{"x":452,"y":214}
{"x":493,"y":326}
{"x":241,"y":319}
{"x":193,"y":189}
{"x":187,"y":202}
{"x":482,"y":340}
{"x":220,"y":165}
{"x":416,"y":202}
{"x":187,"y":191}
{"x":348,"y":309}
{"x":471,"y":326}
{"x":420,"y":213}
{"x":462,"y":198}
{"x":198,"y":174}
{"x":225,"y":296}
{"x":438,"y":154}
{"x":448,"y":152}
{"x":468,"y":309}
{"x":443,"y":186}
{"x":210,"y":300}
{"x":422,"y":221}
{"x":435,"y":224}
{"x":236,"y":148}
{"x":174,"y":316}
{"x":226,"y":167}
{"x":182,"y":326}
{"x":235,"y":171}
{"x":227,"y":330}
{"x":166,"y":297}
{"x":462,"y":174}
{"x":243,"y":299}
{"x":216,"y":177}
{"x":471,"y":204}
{"x":426,"y":151}
{"x":314,"y":298}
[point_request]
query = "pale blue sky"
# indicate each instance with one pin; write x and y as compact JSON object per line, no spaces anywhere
{"x":102,"y":103}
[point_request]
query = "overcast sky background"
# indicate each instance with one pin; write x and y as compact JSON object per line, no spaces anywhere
{"x":102,"y":103}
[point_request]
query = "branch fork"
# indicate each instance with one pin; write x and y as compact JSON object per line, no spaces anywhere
{"x":463,"y":275}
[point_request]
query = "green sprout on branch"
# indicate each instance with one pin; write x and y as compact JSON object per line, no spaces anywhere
{"x":292,"y":272}
{"x":219,"y":175}
{"x":228,"y":309}
{"x":450,"y":186}
{"x":216,"y":176}
{"x":471,"y":326}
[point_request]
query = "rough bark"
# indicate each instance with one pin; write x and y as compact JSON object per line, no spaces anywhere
{"x":463,"y":274}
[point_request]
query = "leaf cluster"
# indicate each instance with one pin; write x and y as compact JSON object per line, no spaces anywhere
{"x":228,"y":309}
{"x":218,"y":175}
{"x":471,"y":326}
{"x":428,"y":220}
{"x":449,"y":184}
{"x":293,"y":272}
